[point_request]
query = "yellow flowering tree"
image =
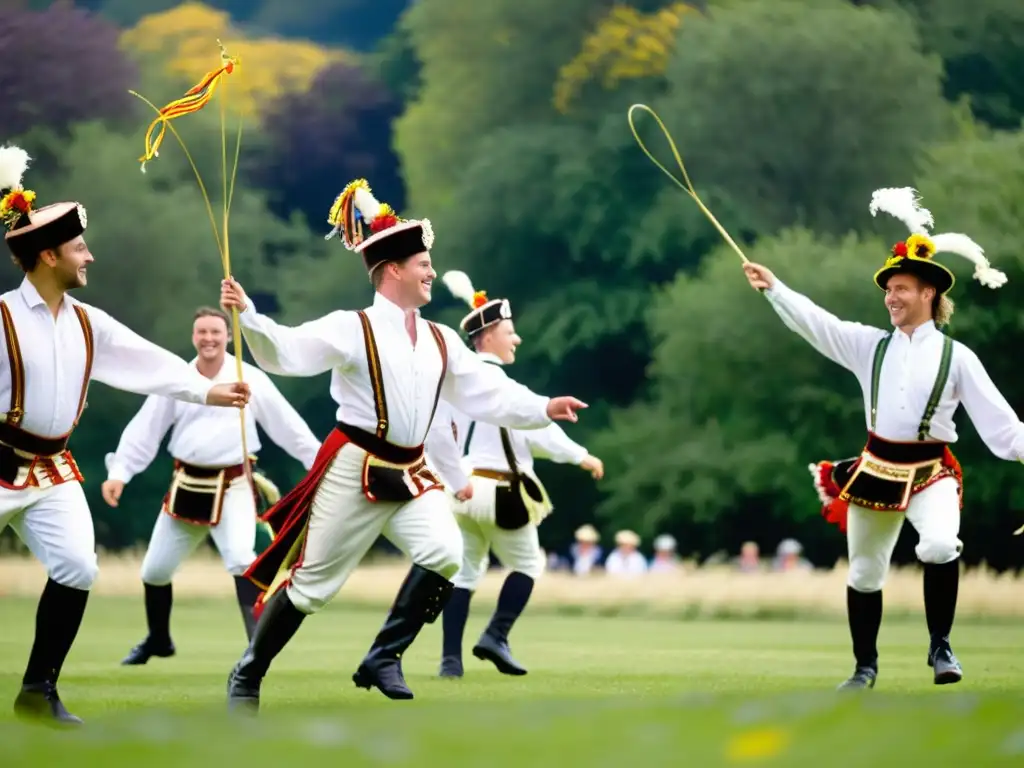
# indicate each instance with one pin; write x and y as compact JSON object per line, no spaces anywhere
{"x":185,"y":38}
{"x":626,"y":44}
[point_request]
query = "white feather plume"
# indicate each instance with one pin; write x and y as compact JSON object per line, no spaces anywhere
{"x":902,"y":203}
{"x":367,"y":204}
{"x":13,"y":164}
{"x":962,"y":245}
{"x":459,"y":284}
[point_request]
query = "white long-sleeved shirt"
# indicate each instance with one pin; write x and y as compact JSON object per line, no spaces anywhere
{"x":485,"y":448}
{"x":208,"y":436}
{"x":53,"y":355}
{"x":411,"y":373}
{"x":907,"y":376}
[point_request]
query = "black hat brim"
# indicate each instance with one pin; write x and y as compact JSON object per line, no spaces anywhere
{"x":928,"y":270}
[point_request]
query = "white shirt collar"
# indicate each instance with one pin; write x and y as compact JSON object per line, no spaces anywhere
{"x":31,"y":295}
{"x":389,"y":310}
{"x":922,"y":332}
{"x":487,"y":357}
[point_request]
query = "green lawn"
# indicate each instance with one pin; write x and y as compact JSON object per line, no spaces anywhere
{"x":601,"y":692}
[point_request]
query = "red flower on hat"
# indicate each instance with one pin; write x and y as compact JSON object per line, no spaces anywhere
{"x":479,"y":299}
{"x":383,"y":222}
{"x":900,"y":249}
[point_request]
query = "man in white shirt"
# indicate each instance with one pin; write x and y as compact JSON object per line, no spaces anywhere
{"x":389,"y":368}
{"x":53,"y":346}
{"x":913,"y":378}
{"x":209,"y":494}
{"x":625,"y":559}
{"x":508,"y":501}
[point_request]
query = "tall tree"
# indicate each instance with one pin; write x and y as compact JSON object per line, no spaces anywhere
{"x":64,"y":65}
{"x":317,"y":140}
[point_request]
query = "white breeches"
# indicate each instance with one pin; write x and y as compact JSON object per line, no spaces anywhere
{"x":56,"y":525}
{"x":343,"y":525}
{"x":173,"y":540}
{"x":518,"y":550}
{"x":871,"y":536}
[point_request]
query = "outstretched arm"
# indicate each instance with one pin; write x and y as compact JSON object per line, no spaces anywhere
{"x":124,"y":360}
{"x":553,"y":444}
{"x":141,"y":439}
{"x":484,"y":392}
{"x":849,"y":344}
{"x":304,"y":350}
{"x":996,"y":422}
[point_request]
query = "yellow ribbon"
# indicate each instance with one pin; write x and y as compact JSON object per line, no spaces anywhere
{"x":687,"y":187}
{"x":195,"y":99}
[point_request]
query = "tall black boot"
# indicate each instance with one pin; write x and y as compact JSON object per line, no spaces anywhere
{"x":247,"y":594}
{"x":453,"y":625}
{"x":58,"y":618}
{"x":941,"y":587}
{"x":420,"y":600}
{"x":277,"y":625}
{"x":493,"y":643}
{"x":158,"y":620}
{"x":864,"y":611}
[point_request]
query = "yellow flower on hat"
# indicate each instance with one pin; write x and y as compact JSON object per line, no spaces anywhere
{"x":920,"y":246}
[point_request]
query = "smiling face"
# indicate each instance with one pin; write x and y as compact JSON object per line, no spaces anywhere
{"x":69,"y":263}
{"x":501,"y":341}
{"x":909,"y":300}
{"x":414,"y":279}
{"x":210,"y":337}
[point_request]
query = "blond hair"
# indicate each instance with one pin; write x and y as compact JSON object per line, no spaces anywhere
{"x":942,"y":310}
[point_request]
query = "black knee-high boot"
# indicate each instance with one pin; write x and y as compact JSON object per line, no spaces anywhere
{"x":421,"y":599}
{"x":277,"y":625}
{"x":247,"y":594}
{"x":58,"y":619}
{"x":493,"y":643}
{"x":159,"y":599}
{"x":864,"y":611}
{"x":941,"y":587}
{"x":453,"y":626}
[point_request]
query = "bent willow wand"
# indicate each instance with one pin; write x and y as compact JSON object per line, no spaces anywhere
{"x":685,"y":185}
{"x":195,"y":98}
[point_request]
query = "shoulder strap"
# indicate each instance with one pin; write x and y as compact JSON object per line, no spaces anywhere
{"x":876,"y":373}
{"x":90,"y":351}
{"x":940,"y":384}
{"x":443,"y":349}
{"x":510,"y":454}
{"x":376,"y":376}
{"x":17,"y":368}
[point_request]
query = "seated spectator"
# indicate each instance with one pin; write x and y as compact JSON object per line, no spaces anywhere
{"x":585,"y":553}
{"x":665,"y":558}
{"x":625,"y":560}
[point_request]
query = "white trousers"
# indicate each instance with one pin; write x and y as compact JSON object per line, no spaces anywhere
{"x":518,"y":550}
{"x":56,"y":526}
{"x":173,"y":540}
{"x":343,"y":525}
{"x":871,"y":536}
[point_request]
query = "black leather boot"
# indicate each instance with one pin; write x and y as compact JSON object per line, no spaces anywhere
{"x":158,"y":619}
{"x":941,"y":587}
{"x":58,"y":619}
{"x":247,"y":593}
{"x":453,"y":625}
{"x":420,"y":600}
{"x":493,"y":643}
{"x":277,"y":625}
{"x":864,"y":611}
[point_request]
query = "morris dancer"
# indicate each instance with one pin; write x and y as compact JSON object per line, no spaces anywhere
{"x":508,"y":500}
{"x":913,"y":379}
{"x":54,"y":345}
{"x":389,"y":367}
{"x":209,"y":494}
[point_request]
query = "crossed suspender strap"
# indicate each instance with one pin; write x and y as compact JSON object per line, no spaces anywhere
{"x":17,"y":364}
{"x":936,"y":394}
{"x":377,"y":376}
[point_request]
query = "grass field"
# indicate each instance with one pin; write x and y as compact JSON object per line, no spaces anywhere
{"x":602,"y":690}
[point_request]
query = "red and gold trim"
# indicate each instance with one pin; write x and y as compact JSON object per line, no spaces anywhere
{"x":376,"y":376}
